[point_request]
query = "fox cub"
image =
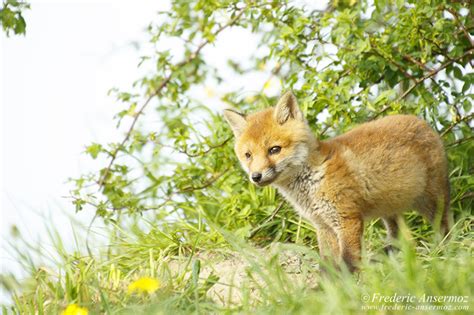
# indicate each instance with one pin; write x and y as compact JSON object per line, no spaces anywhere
{"x":379,"y":169}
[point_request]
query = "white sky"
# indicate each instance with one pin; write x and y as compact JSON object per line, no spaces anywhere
{"x":54,"y":101}
{"x":54,"y":84}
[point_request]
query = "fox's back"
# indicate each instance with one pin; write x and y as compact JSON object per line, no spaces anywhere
{"x":391,"y":162}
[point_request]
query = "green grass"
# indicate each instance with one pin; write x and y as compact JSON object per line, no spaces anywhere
{"x":196,"y":273}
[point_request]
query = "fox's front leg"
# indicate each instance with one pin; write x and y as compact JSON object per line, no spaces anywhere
{"x":328,"y":244}
{"x":342,"y":244}
{"x":350,"y":237}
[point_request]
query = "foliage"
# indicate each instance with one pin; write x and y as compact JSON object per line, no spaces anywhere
{"x":11,"y":17}
{"x":349,"y":63}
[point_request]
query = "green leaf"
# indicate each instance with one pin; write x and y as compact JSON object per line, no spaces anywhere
{"x":457,"y":73}
{"x":94,"y":149}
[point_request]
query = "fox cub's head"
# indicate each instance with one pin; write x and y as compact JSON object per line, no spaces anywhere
{"x":274,"y":143}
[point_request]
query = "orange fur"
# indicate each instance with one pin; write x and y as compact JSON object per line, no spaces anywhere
{"x":379,"y":169}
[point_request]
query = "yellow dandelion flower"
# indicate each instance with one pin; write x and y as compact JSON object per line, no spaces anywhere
{"x":145,"y":284}
{"x":74,"y":309}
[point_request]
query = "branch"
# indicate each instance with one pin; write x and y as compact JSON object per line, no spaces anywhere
{"x":422,"y":79}
{"x":325,"y":129}
{"x":418,"y":63}
{"x":463,"y":28}
{"x":165,"y":201}
{"x":458,"y":142}
{"x":396,"y":64}
{"x":205,"y":185}
{"x":191,"y":155}
{"x":434,"y":72}
{"x":391,"y":60}
{"x":159,"y":89}
{"x":463,"y":119}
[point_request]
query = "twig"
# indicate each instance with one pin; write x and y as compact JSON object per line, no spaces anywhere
{"x":463,"y":119}
{"x":392,"y":61}
{"x":205,"y":185}
{"x":418,"y":63}
{"x":326,"y":128}
{"x":422,"y":79}
{"x":459,"y":141}
{"x":162,"y":204}
{"x":191,"y":155}
{"x":463,"y":28}
{"x":434,"y":72}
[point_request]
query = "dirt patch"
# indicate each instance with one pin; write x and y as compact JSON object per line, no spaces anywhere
{"x":244,"y":274}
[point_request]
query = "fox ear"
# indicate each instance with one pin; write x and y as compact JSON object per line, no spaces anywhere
{"x":236,"y":121}
{"x":286,"y":108}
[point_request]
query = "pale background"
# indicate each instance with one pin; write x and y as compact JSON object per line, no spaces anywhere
{"x":53,"y":93}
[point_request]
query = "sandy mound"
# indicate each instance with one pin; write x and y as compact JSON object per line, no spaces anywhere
{"x":242,"y":275}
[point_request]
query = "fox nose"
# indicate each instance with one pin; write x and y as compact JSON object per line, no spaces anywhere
{"x":256,"y":177}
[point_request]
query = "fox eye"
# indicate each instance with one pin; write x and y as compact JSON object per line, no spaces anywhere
{"x":248,"y":155}
{"x":274,"y":150}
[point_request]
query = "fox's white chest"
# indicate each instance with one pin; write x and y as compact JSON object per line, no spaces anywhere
{"x":302,"y":193}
